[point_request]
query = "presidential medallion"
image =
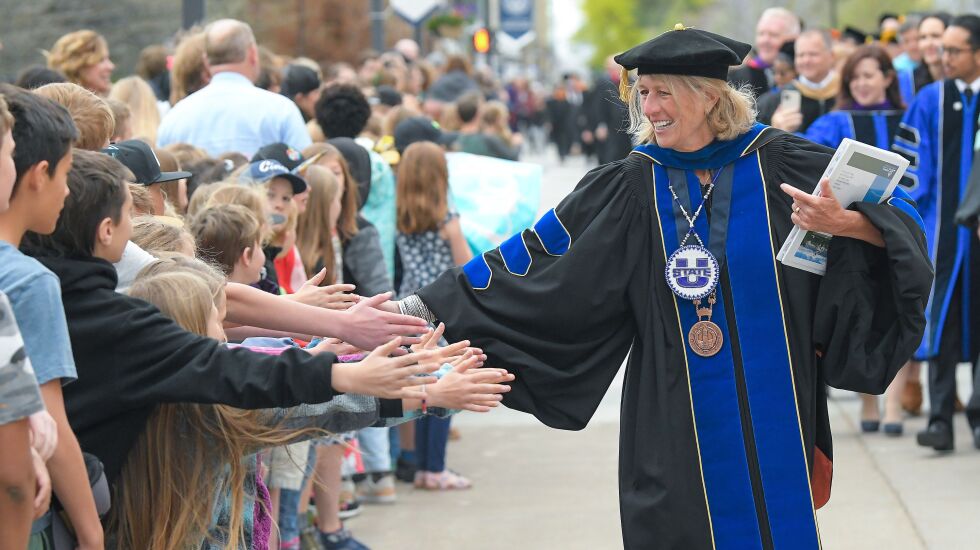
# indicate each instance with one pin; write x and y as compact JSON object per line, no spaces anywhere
{"x":692,"y":272}
{"x":705,"y":338}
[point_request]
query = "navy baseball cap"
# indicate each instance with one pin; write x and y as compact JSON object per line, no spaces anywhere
{"x":142,"y":162}
{"x":262,"y":171}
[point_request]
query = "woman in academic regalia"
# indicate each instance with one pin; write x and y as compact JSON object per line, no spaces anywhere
{"x":669,"y":255}
{"x":869,"y":109}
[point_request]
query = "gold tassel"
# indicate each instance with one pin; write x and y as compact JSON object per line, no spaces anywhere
{"x":624,"y":85}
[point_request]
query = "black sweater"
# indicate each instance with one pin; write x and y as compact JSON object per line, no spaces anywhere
{"x":130,"y":358}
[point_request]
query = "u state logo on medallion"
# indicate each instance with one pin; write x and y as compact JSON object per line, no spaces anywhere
{"x":692,"y":272}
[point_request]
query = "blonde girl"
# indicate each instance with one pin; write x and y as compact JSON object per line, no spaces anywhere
{"x":163,"y":234}
{"x":316,"y":232}
{"x":144,"y":115}
{"x":430,"y":241}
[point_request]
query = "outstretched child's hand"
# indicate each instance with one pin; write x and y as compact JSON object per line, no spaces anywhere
{"x":469,"y":387}
{"x":336,"y":297}
{"x":337,"y":347}
{"x":430,"y":342}
{"x":381,"y":375}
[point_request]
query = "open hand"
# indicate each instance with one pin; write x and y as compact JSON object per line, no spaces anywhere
{"x":367,"y":326}
{"x":381,"y":375}
{"x":338,"y":347}
{"x":330,"y":297}
{"x":469,"y":387}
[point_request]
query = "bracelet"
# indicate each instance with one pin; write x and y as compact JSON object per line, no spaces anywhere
{"x":415,"y":307}
{"x":425,"y":409}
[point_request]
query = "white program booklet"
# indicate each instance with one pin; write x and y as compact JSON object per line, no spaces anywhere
{"x":858,"y":172}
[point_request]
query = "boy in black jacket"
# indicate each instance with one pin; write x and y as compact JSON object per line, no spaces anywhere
{"x":130,"y":357}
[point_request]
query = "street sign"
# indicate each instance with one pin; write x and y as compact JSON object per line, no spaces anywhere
{"x":516,"y":17}
{"x":415,"y":11}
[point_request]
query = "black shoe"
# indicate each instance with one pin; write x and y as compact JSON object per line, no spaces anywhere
{"x":870,"y":426}
{"x":892,"y":429}
{"x":976,"y":437}
{"x":405,"y":471}
{"x":938,"y":435}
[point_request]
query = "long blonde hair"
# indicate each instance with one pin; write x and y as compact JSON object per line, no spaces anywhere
{"x":732,"y":115}
{"x":494,"y":120}
{"x":189,"y":455}
{"x":144,"y":116}
{"x":423,"y":186}
{"x":350,"y":201}
{"x":314,"y":236}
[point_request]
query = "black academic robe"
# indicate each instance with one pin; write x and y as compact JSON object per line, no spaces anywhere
{"x":562,"y":304}
{"x":759,"y":78}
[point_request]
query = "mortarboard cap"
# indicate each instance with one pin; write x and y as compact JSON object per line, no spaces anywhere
{"x":685,"y":51}
{"x":856,"y":35}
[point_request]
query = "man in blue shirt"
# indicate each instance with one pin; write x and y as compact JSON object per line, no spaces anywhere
{"x":231,"y":113}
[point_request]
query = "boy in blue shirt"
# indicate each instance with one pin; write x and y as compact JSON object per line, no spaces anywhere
{"x":44,"y":133}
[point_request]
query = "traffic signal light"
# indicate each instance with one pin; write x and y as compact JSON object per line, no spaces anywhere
{"x":481,"y":41}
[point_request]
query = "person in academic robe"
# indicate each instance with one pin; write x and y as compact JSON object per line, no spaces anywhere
{"x":869,"y":109}
{"x":818,"y":84}
{"x":937,"y":135}
{"x":725,"y":439}
{"x":608,"y":117}
{"x":776,"y":27}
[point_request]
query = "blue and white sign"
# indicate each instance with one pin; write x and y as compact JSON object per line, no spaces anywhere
{"x":415,"y":11}
{"x":495,"y":198}
{"x":516,"y":17}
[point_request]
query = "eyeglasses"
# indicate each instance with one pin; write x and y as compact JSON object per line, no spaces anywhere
{"x":954,"y":52}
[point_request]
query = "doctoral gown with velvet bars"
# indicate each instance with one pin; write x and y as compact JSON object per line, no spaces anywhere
{"x":732,"y":451}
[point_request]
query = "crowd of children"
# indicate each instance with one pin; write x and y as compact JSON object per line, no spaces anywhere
{"x":195,"y":345}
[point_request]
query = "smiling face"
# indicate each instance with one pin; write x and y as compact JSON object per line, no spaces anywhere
{"x":814,"y":58}
{"x":868,"y":83}
{"x":678,"y":114}
{"x":770,"y":33}
{"x":98,"y":77}
{"x":931,"y":40}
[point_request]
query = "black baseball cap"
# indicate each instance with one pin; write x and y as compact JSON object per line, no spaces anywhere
{"x":298,"y":79}
{"x":142,"y":162}
{"x":419,"y":128}
{"x":286,"y":155}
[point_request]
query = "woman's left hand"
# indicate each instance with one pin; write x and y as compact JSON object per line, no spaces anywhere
{"x":824,"y":214}
{"x":813,"y":213}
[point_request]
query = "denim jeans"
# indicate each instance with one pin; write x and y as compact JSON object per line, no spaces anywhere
{"x":289,"y":503}
{"x":431,"y":437}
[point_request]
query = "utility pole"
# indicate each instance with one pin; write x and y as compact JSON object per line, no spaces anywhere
{"x":378,"y":25}
{"x":191,"y":13}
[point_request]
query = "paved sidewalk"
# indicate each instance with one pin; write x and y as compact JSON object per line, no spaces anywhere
{"x":537,"y":488}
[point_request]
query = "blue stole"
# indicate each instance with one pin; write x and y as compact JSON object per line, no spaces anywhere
{"x":765,"y":359}
{"x":906,"y":85}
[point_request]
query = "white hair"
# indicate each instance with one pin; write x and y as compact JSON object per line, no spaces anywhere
{"x":791,"y":20}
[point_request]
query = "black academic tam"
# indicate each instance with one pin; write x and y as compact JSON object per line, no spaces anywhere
{"x":562,"y":304}
{"x":685,"y":51}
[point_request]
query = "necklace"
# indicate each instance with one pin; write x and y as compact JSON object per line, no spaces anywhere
{"x":692,"y":273}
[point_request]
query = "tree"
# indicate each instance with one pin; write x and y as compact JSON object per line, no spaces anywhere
{"x":611,"y":27}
